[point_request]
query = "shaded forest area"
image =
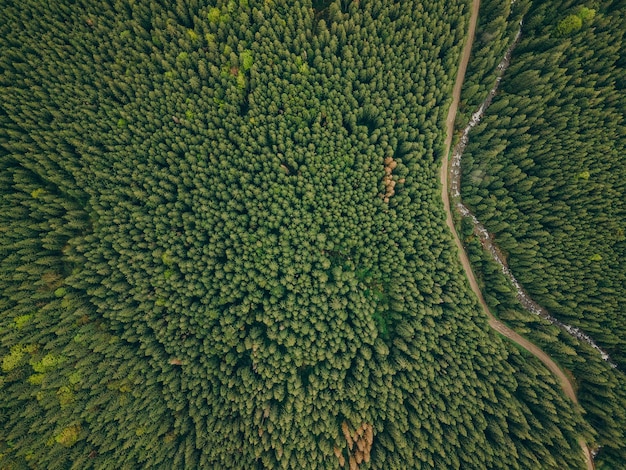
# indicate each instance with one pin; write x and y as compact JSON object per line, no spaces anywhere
{"x":544,"y":172}
{"x":222,"y":244}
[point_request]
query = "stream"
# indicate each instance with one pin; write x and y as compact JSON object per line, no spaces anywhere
{"x":480,"y":230}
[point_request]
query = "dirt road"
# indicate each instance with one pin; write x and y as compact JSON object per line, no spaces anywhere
{"x":566,"y":385}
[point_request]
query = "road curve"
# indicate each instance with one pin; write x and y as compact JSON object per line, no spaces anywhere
{"x":497,"y":325}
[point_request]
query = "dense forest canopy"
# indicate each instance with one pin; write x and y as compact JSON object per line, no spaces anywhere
{"x":544,"y":172}
{"x":223,"y":244}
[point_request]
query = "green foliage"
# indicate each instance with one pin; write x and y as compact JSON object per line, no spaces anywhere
{"x":214,"y":15}
{"x":46,"y":363}
{"x":543,"y":171}
{"x":22,"y":320}
{"x":570,"y":24}
{"x":37,"y":193}
{"x":68,"y":436}
{"x":60,"y":292}
{"x":219,"y":281}
{"x":192,"y":35}
{"x":246,"y":60}
{"x":586,"y":14}
{"x":14,"y":358}
{"x":574,"y":22}
{"x":498,"y":23}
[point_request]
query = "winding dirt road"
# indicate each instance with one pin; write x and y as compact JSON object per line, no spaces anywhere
{"x":500,"y":327}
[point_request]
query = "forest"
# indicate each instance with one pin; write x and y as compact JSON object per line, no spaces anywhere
{"x":223,"y":244}
{"x":544,"y":172}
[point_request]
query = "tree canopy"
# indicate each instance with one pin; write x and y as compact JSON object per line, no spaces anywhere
{"x":544,"y":172}
{"x":223,"y":245}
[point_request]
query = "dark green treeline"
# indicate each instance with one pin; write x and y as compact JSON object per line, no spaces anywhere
{"x":544,"y":172}
{"x":223,"y":245}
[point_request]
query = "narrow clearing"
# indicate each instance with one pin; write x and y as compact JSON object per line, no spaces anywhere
{"x":566,"y":385}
